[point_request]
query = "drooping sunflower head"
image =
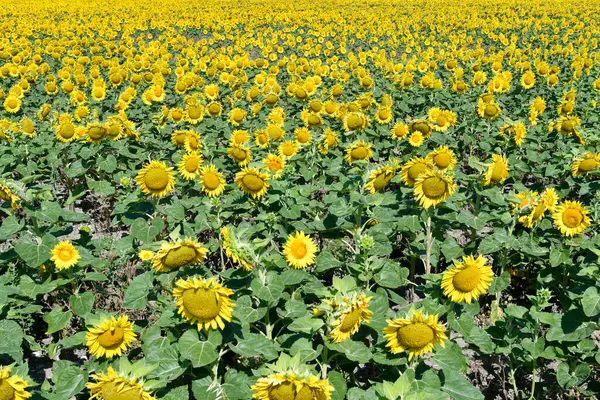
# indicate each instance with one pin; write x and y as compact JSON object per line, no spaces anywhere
{"x":64,"y":255}
{"x":357,"y":151}
{"x":417,"y":333}
{"x":589,"y":162}
{"x":6,"y":194}
{"x":351,"y":318}
{"x":192,"y":141}
{"x":497,"y":170}
{"x":291,"y":386}
{"x":252,"y":182}
{"x":213,"y":182}
{"x":422,"y":126}
{"x":299,"y":250}
{"x":328,"y":141}
{"x":380,"y":178}
{"x":467,"y":280}
{"x":173,"y":256}
{"x":571,"y":218}
{"x":12,"y":387}
{"x":189,"y":166}
{"x":110,"y":337}
{"x":413,"y":169}
{"x":443,"y":158}
{"x":116,"y":386}
{"x":433,"y":187}
{"x":156,"y":179}
{"x":204,"y":302}
{"x":237,"y":249}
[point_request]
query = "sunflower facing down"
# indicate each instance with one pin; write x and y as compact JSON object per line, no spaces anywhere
{"x":589,"y":162}
{"x":417,"y":334}
{"x":571,"y":218}
{"x":380,"y":178}
{"x":236,"y":250}
{"x":6,"y":194}
{"x":156,"y":179}
{"x":177,"y":255}
{"x":12,"y":387}
{"x":113,"y":386}
{"x":189,"y":166}
{"x":299,"y":250}
{"x":252,"y":182}
{"x":433,"y":187}
{"x":64,"y":255}
{"x":467,"y":280}
{"x":290,"y":386}
{"x":497,"y":171}
{"x":205,"y":303}
{"x":351,"y":319}
{"x":213,"y":183}
{"x":111,"y":337}
{"x":358,"y":151}
{"x":413,"y":169}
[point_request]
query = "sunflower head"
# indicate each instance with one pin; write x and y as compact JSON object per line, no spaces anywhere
{"x":351,"y":318}
{"x":433,"y":187}
{"x":589,"y":162}
{"x":252,"y":182}
{"x":205,"y":303}
{"x":414,"y":168}
{"x":571,"y":218}
{"x":110,"y":337}
{"x":417,"y":333}
{"x":64,"y":255}
{"x":114,"y":385}
{"x":299,"y":250}
{"x":497,"y":170}
{"x":358,"y":151}
{"x":156,"y":179}
{"x":7,"y":194}
{"x":213,"y":182}
{"x":189,"y":166}
{"x":443,"y":158}
{"x":173,"y":256}
{"x":467,"y":280}
{"x":380,"y":178}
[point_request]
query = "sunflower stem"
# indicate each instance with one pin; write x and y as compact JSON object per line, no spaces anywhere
{"x":429,"y":244}
{"x":324,"y":362}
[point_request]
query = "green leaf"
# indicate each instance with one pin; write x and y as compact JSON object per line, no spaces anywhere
{"x":11,"y":337}
{"x":10,"y":226}
{"x":458,"y":387}
{"x":354,"y":351}
{"x":256,"y":345}
{"x":75,"y":340}
{"x":34,"y":254}
{"x":82,"y":304}
{"x":68,"y":378}
{"x":345,"y":284}
{"x":392,"y":275}
{"x":136,"y":295}
{"x":57,"y":319}
{"x":179,"y":393}
{"x":569,"y":379}
{"x":338,"y":381}
{"x":306,"y":324}
{"x":325,"y":261}
{"x":200,"y":353}
{"x":145,"y":232}
{"x":591,"y":301}
{"x":270,"y":289}
{"x":450,"y":358}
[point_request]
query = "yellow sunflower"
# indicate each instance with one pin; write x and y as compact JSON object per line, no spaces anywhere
{"x":417,"y":334}
{"x":380,"y":178}
{"x":350,"y":319}
{"x":587,"y":163}
{"x":12,"y":104}
{"x":252,"y":182}
{"x":64,"y":255}
{"x":442,"y":157}
{"x":205,"y":303}
{"x":357,"y":151}
{"x":240,"y":154}
{"x":571,"y":218}
{"x":110,"y":337}
{"x":156,"y":179}
{"x":355,"y":121}
{"x":399,"y":131}
{"x":189,"y":166}
{"x":239,"y":137}
{"x":290,"y":386}
{"x":422,"y":126}
{"x":65,"y":129}
{"x":413,"y":169}
{"x":178,"y":138}
{"x":299,"y":250}
{"x":96,"y":132}
{"x":177,"y":255}
{"x":497,"y":170}
{"x":192,"y":141}
{"x":12,"y":387}
{"x":6,"y":194}
{"x":488,"y":110}
{"x":416,"y":139}
{"x":288,"y":149}
{"x":274,"y":164}
{"x":112,"y":386}
{"x":213,"y":183}
{"x":384,"y":115}
{"x":467,"y":280}
{"x":433,"y":187}
{"x":328,"y":141}
{"x":441,"y":120}
{"x":146,"y":255}
{"x":537,"y":204}
{"x":302,"y":135}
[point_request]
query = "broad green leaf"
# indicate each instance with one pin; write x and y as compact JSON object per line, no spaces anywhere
{"x":68,"y":378}
{"x":136,"y":295}
{"x":591,"y":301}
{"x":11,"y":338}
{"x":256,"y":345}
{"x":199,"y":352}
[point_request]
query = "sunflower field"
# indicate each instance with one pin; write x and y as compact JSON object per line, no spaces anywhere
{"x":299,"y":200}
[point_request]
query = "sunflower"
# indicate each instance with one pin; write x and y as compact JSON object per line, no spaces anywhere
{"x":433,"y":187}
{"x":156,"y":179}
{"x":192,"y":141}
{"x":488,"y":110}
{"x":589,"y":162}
{"x":290,"y":386}
{"x":380,"y":178}
{"x":299,"y":250}
{"x":413,"y":169}
{"x":355,"y":121}
{"x":359,"y":150}
{"x":65,"y":129}
{"x":240,"y":154}
{"x":173,"y":256}
{"x":194,"y":113}
{"x":146,"y":255}
{"x":212,"y":180}
{"x":44,"y":111}
{"x":442,"y":157}
{"x":528,"y":79}
{"x":468,"y":280}
{"x":441,"y":120}
{"x":96,"y":132}
{"x":178,"y":138}
{"x":6,"y":194}
{"x":417,"y":334}
{"x":384,"y":115}
{"x":236,"y":116}
{"x":302,"y":135}
{"x":328,"y":141}
{"x":261,"y":138}
{"x":538,"y":204}
{"x":399,"y":131}
{"x":416,"y":139}
{"x":112,"y":386}
{"x":497,"y":170}
{"x":189,"y":166}
{"x":110,"y":337}
{"x":422,"y":126}
{"x":205,"y":303}
{"x":64,"y":255}
{"x":351,"y":319}
{"x":288,"y":149}
{"x":239,"y":137}
{"x":12,"y":387}
{"x":12,"y":104}
{"x":252,"y":182}
{"x":571,"y":218}
{"x":274,"y":164}
{"x":214,"y":109}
